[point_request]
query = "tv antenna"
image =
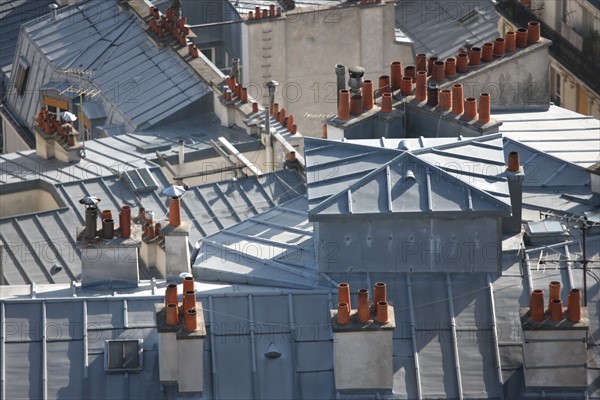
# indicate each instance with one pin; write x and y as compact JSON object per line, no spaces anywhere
{"x":80,"y":91}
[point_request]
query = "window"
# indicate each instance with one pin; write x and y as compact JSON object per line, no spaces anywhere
{"x":123,"y":355}
{"x":22,"y":76}
{"x":209,"y":53}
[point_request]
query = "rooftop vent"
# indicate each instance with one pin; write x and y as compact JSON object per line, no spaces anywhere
{"x":123,"y":355}
{"x":409,"y":177}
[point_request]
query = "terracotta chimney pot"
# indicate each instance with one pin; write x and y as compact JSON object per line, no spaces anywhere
{"x":396,"y":74}
{"x":344,"y":105}
{"x":556,"y":313}
{"x":487,"y":53}
{"x":364,"y":315}
{"x":367,"y":93}
{"x":522,"y":38}
{"x":484,"y":108}
{"x":386,"y":103}
{"x":421,"y":86}
{"x":457,"y":99}
{"x":574,"y":305}
{"x":536,"y":305}
{"x":474,"y":56}
{"x":533,"y":32}
{"x":421,"y":61}
{"x":470,"y":108}
{"x":190,"y":321}
{"x":344,"y":293}
{"x":406,"y":86}
{"x":499,"y":47}
{"x":554,"y":290}
{"x":343,"y":315}
{"x":382,"y":312}
{"x":511,"y":41}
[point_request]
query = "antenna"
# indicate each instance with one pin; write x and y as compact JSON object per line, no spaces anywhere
{"x":80,"y":91}
{"x":580,"y":223}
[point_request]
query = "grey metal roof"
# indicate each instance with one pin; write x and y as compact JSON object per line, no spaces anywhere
{"x":35,"y":243}
{"x":544,"y":169}
{"x":114,"y":154}
{"x":561,"y":133}
{"x":146,"y":83}
{"x":14,"y":13}
{"x":345,"y":178}
{"x":73,"y":357}
{"x":441,"y":28}
{"x":274,"y":249}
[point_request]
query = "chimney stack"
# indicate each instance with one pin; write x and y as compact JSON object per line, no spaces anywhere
{"x":555,"y":344}
{"x":106,"y":259}
{"x":515,"y":176}
{"x":181,"y":335}
{"x":362,"y":344}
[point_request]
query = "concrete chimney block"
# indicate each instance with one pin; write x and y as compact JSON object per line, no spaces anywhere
{"x":555,"y":352}
{"x":180,"y":355}
{"x":177,"y":251}
{"x":363,"y":354}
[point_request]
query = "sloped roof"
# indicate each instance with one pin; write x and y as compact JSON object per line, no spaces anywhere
{"x":145,"y":82}
{"x":544,"y":169}
{"x":450,"y":178}
{"x":273,"y":249}
{"x":14,"y":13}
{"x":36,"y":243}
{"x":389,"y":189}
{"x":333,"y":166}
{"x":440,"y":28}
{"x":558,"y":132}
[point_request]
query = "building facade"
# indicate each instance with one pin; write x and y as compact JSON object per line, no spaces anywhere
{"x":573,"y":26}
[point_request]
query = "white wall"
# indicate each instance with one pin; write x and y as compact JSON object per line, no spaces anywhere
{"x":300,"y":52}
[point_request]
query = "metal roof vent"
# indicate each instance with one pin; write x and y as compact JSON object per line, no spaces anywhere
{"x":123,"y":355}
{"x":53,"y":12}
{"x":410,"y":177}
{"x":404,"y":145}
{"x":273,"y":351}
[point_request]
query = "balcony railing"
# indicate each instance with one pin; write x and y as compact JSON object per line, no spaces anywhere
{"x":581,"y":64}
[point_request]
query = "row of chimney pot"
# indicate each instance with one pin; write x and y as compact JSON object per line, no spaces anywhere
{"x":51,"y":126}
{"x":188,"y":305}
{"x":280,"y":116}
{"x":162,"y":23}
{"x":379,"y":306}
{"x":555,"y":310}
{"x":108,"y":223}
{"x":438,"y":70}
{"x":258,"y":14}
{"x":150,"y":229}
{"x":287,"y":121}
{"x":233,"y":89}
{"x":445,"y":99}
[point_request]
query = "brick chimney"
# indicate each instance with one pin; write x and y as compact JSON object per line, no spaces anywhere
{"x":362,"y":341}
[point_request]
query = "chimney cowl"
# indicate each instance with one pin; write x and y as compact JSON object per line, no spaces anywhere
{"x":355,"y":81}
{"x":53,"y":11}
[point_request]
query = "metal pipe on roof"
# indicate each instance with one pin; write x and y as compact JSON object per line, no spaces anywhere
{"x":413,"y":334}
{"x":44,"y":354}
{"x":2,"y":351}
{"x":495,"y":337}
{"x":454,"y":335}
